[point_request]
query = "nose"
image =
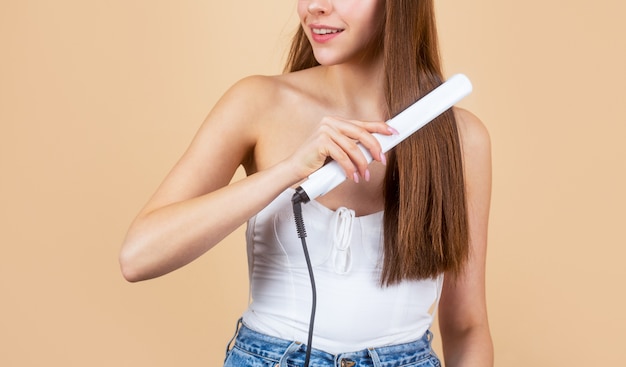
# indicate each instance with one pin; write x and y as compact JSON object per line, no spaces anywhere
{"x":320,"y":7}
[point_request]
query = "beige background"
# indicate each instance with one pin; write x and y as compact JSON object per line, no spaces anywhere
{"x":99,"y":98}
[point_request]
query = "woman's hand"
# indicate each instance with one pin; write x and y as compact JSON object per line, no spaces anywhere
{"x":337,"y":139}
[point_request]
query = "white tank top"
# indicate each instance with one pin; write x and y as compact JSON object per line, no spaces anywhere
{"x":354,"y":311}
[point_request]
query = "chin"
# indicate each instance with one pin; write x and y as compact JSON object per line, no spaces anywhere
{"x":329,"y":60}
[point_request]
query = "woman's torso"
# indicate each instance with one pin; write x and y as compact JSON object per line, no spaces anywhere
{"x":353,"y":310}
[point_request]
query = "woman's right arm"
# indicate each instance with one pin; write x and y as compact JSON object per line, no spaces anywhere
{"x":195,"y":208}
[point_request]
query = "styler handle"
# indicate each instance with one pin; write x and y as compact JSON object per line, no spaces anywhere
{"x":406,"y":123}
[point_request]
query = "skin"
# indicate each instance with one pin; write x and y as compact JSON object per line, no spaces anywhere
{"x":281,"y":129}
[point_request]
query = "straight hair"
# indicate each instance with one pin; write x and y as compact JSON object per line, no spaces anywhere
{"x":425,"y":220}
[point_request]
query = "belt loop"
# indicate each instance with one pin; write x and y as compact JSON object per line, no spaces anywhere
{"x":374,"y":355}
{"x":230,"y":343}
{"x":292,"y":348}
{"x":429,"y":336}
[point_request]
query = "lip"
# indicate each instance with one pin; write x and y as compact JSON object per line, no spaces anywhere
{"x":323,"y":38}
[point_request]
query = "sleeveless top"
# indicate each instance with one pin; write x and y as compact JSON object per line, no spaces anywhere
{"x":354,"y":311}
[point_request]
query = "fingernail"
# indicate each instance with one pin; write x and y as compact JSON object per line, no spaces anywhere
{"x":367,"y":175}
{"x":393,"y":131}
{"x":355,"y":176}
{"x":383,"y":159}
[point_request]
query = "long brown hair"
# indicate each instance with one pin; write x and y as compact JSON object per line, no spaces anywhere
{"x":425,"y":217}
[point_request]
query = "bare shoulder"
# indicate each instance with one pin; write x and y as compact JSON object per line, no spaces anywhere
{"x":476,"y":147}
{"x":253,"y":92}
{"x":245,"y":105}
{"x":263,"y":94}
{"x":473,"y":133}
{"x":256,"y":113}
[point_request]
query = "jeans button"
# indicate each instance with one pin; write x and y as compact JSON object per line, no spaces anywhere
{"x":347,"y":363}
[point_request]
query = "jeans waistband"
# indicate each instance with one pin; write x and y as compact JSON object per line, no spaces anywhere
{"x":280,"y":350}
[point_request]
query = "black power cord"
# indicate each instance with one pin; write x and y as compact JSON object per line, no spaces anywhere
{"x":298,"y":198}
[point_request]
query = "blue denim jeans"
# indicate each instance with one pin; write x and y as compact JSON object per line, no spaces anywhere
{"x":253,"y":349}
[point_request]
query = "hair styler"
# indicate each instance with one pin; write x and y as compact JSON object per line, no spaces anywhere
{"x":406,"y":123}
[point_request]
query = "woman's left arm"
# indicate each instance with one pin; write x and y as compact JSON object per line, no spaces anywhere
{"x":463,"y":319}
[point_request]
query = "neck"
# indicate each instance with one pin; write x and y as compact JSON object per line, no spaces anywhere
{"x":357,"y":88}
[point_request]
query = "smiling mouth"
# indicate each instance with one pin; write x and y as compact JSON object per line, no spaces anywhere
{"x":324,"y":31}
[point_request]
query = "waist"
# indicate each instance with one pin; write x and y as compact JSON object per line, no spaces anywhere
{"x":275,"y":349}
{"x":350,"y":315}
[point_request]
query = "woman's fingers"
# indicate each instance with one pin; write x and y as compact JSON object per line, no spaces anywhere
{"x":344,"y":139}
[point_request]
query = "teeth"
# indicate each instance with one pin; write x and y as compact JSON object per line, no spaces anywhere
{"x":324,"y":31}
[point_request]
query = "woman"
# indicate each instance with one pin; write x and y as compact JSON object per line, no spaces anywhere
{"x":353,"y":65}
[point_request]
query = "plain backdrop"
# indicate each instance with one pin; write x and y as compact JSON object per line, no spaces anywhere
{"x":98,"y":99}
